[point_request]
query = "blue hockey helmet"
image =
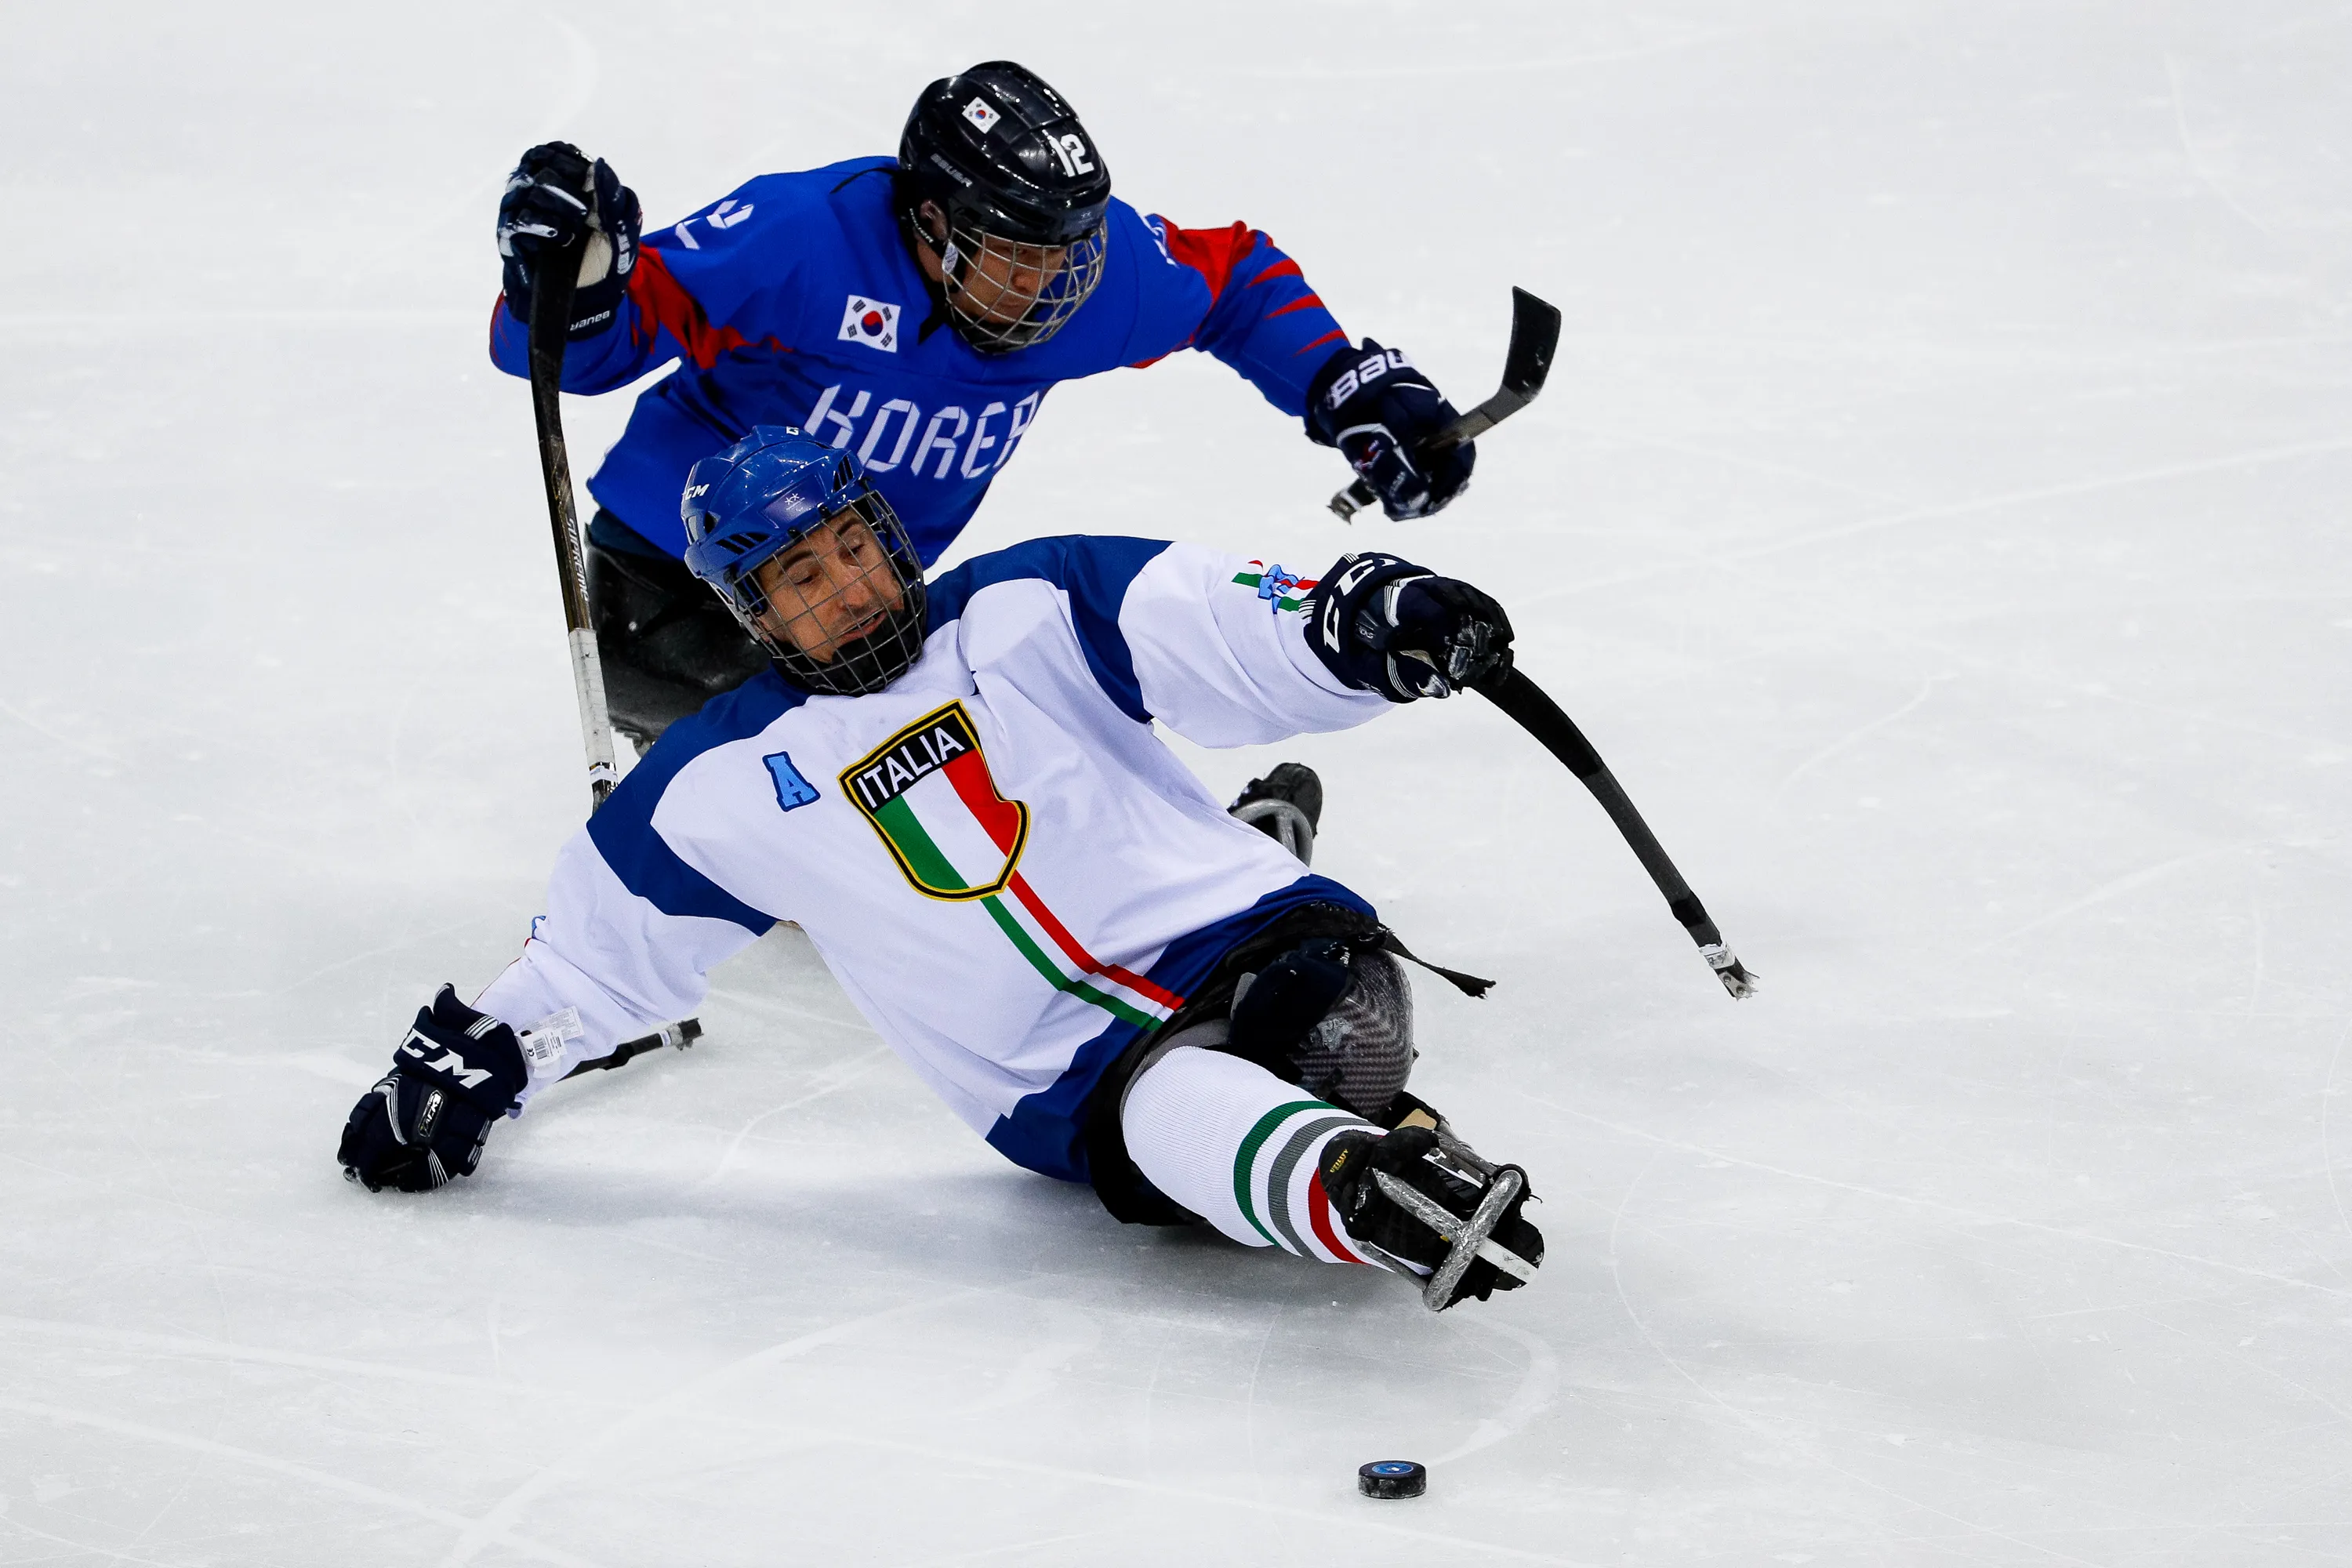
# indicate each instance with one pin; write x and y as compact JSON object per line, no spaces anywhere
{"x":810,"y":557}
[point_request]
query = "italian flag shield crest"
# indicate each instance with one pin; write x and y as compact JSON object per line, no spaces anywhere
{"x":928,"y":791}
{"x":929,"y":795}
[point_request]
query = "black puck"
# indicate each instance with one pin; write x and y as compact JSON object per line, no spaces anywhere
{"x":1391,"y":1478}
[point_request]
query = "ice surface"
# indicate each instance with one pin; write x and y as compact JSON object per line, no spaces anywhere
{"x":1938,"y":517}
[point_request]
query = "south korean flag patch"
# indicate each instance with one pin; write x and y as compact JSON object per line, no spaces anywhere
{"x":871,"y":322}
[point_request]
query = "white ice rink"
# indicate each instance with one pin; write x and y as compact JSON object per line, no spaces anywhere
{"x":1938,"y":517}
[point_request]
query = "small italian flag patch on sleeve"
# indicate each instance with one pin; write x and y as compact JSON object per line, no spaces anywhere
{"x":1280,"y":589}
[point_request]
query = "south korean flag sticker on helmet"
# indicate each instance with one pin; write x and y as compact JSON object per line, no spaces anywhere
{"x":871,"y":322}
{"x":981,"y":114}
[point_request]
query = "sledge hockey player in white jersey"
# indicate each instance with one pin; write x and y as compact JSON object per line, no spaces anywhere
{"x":954,"y":788}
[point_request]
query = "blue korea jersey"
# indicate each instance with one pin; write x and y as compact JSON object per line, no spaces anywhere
{"x":796,"y":302}
{"x":1008,"y":871}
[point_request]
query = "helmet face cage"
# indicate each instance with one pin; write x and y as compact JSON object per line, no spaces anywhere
{"x":1005,"y":294}
{"x":851,"y":569}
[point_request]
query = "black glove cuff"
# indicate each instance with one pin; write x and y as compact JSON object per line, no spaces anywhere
{"x":1334,"y":612}
{"x":1320,"y":425}
{"x":593,"y":309}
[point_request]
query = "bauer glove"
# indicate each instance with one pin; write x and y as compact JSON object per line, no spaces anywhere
{"x":554,"y":196}
{"x":1384,"y":625}
{"x":426,"y":1120}
{"x":1377,"y":408}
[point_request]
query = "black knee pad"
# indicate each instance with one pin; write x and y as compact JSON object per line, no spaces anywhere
{"x":1322,"y":1002}
{"x":1333,"y":1017}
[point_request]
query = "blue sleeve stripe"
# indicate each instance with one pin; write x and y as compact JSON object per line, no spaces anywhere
{"x":1095,"y":572}
{"x":623,"y":828}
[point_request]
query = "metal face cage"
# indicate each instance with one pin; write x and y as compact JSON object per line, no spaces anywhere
{"x":840,"y":607}
{"x":1008,"y":294}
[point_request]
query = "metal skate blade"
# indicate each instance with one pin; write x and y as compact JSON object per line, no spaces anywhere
{"x":1504,"y":1258}
{"x":1469,"y":1238}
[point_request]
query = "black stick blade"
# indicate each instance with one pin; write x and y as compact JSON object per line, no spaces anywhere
{"x":1527,"y":364}
{"x":1534,"y":337}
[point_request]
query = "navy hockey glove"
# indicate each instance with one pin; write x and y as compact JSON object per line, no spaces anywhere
{"x":554,"y":196}
{"x":1387,"y":625}
{"x":1377,"y":408}
{"x":427,"y":1119}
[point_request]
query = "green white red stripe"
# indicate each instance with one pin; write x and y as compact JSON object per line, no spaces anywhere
{"x":1278,"y":1185}
{"x":972,"y":853}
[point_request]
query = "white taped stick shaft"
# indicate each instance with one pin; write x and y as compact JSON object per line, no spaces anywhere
{"x":596,"y":719}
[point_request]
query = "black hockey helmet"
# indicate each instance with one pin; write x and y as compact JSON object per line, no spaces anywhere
{"x":1004,"y":159}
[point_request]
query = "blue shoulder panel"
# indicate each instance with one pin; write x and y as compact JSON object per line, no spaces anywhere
{"x":1094,"y":570}
{"x":623,"y":828}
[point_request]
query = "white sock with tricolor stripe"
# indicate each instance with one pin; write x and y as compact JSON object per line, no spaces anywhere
{"x":1240,"y":1148}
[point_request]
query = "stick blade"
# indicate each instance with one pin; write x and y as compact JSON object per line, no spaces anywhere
{"x":1535,"y":338}
{"x":1526,"y":364}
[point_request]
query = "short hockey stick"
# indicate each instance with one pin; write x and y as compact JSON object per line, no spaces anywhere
{"x":1540,"y":716}
{"x":1535,"y":333}
{"x":551,"y":322}
{"x":679,"y":1034}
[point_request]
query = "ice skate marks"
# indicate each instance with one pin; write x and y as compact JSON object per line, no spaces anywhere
{"x":929,"y":795}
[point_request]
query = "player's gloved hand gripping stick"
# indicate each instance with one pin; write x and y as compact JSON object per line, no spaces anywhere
{"x":1535,"y":334}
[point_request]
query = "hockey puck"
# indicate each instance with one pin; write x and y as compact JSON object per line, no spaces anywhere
{"x":1391,"y":1478}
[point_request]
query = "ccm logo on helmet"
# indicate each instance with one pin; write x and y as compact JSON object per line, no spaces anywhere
{"x":1373,"y":367}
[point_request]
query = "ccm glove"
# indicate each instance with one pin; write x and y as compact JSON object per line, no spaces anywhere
{"x":1373,"y":406}
{"x":1387,"y":625}
{"x":554,"y":196}
{"x":427,"y":1119}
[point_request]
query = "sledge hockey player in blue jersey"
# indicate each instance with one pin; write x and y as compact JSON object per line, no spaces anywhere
{"x":955,"y":789}
{"x":916,"y":310}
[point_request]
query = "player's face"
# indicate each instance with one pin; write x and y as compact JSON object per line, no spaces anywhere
{"x":1000,"y":282}
{"x":836,"y":585}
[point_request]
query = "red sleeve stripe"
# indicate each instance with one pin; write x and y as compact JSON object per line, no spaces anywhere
{"x":1298,"y":304}
{"x":663,"y":302}
{"x":1335,"y":334}
{"x":1286,"y":267}
{"x":1213,"y":253}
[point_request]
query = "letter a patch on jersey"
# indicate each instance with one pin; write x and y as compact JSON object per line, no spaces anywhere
{"x":873,"y":322}
{"x":791,"y":790}
{"x":928,"y":792}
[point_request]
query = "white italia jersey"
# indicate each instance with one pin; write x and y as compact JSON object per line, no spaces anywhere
{"x":999,"y":862}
